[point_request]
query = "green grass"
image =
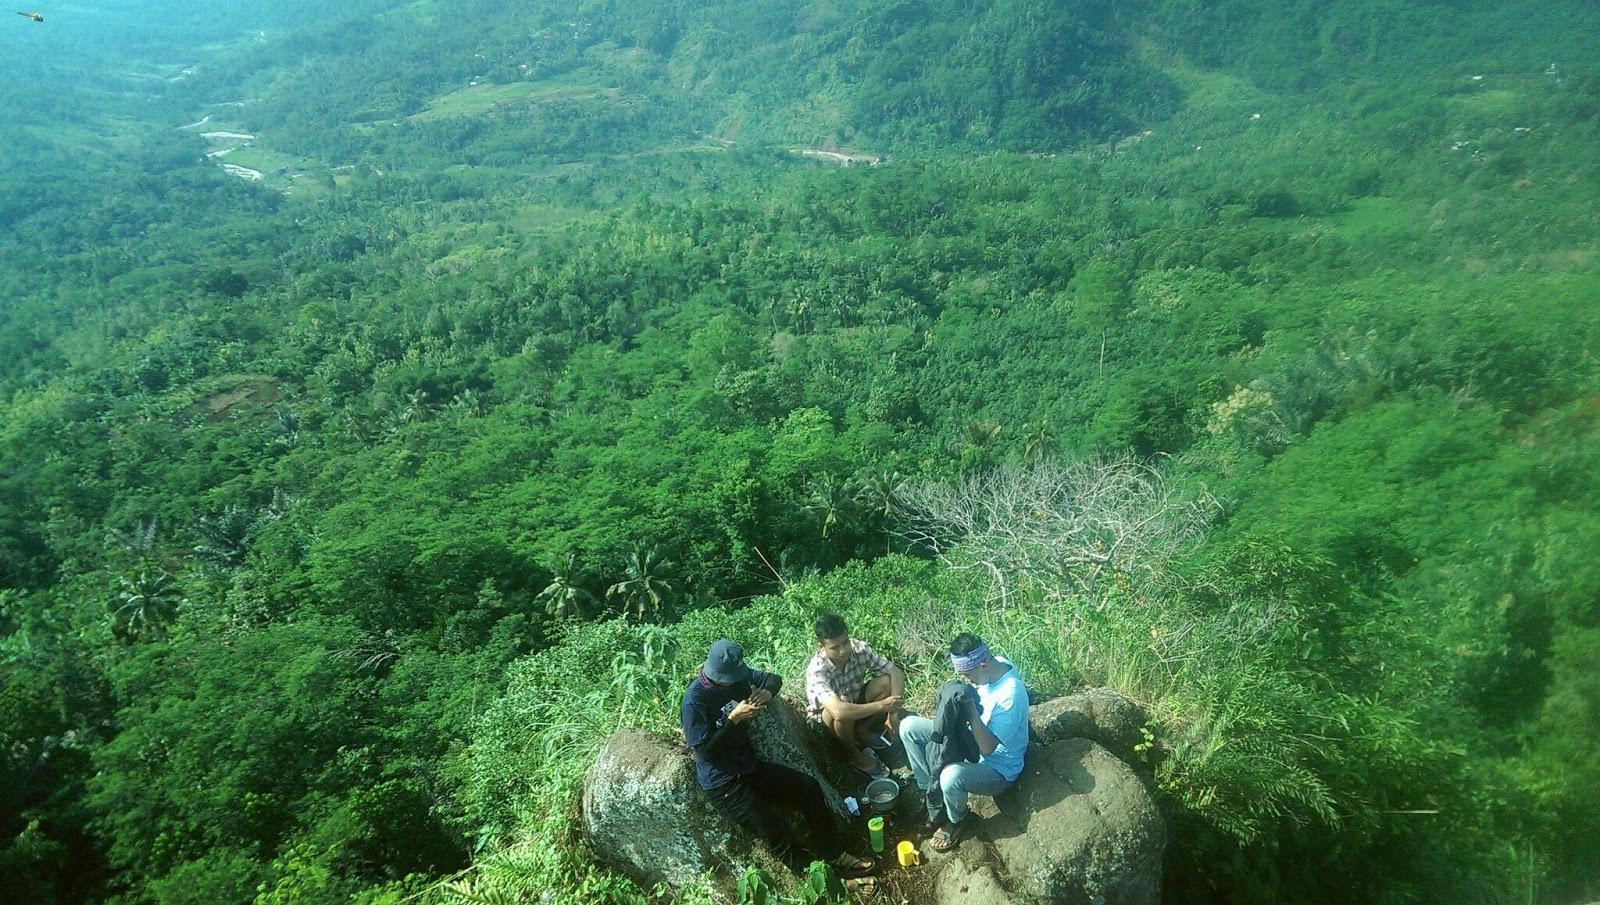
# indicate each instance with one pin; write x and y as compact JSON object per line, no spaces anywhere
{"x":264,"y":159}
{"x":1202,"y":88}
{"x":1490,"y":101}
{"x":532,"y":218}
{"x":476,"y":100}
{"x":1373,"y":215}
{"x":297,"y":171}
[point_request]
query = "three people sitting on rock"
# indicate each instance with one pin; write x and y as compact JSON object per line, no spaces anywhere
{"x":974,"y":744}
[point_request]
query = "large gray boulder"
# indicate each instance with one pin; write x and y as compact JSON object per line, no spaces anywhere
{"x":1100,"y":715}
{"x":964,"y":882}
{"x":645,"y":814}
{"x":781,"y":736}
{"x":1079,"y":827}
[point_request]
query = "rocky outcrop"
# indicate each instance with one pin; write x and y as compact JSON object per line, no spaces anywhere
{"x":644,"y":812}
{"x":1100,"y":715}
{"x":967,"y":883}
{"x":781,"y":736}
{"x":1080,"y":826}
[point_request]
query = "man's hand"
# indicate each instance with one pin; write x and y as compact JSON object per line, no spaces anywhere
{"x":744,"y":710}
{"x":890,"y":704}
{"x":759,"y":697}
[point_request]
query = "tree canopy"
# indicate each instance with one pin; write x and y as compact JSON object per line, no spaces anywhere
{"x":1236,"y":356}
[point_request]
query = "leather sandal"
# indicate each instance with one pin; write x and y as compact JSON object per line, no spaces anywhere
{"x":946,"y":838}
{"x":852,"y":865}
{"x":864,"y":887}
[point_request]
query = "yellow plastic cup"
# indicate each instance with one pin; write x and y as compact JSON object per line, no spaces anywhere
{"x":875,"y":831}
{"x":908,"y":854}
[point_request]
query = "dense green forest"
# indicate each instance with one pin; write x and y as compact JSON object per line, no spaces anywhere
{"x":351,"y":495}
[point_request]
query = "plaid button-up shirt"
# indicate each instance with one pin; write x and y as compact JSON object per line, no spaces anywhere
{"x":825,"y":680}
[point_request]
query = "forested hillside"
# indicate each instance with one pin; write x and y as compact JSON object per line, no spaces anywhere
{"x":351,"y":496}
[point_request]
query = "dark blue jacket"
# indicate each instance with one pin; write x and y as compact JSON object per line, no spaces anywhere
{"x":722,"y":749}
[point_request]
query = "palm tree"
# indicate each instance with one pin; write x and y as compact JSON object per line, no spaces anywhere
{"x":828,"y":501}
{"x":288,"y":427}
{"x":798,"y":307}
{"x":877,"y":495}
{"x":143,"y":606}
{"x":977,"y":444}
{"x":981,"y":434}
{"x":1038,"y":445}
{"x":226,"y":538}
{"x":139,"y":541}
{"x":563,"y":596}
{"x":876,"y":492}
{"x":648,"y":583}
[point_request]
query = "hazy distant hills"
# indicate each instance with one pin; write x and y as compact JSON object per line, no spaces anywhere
{"x":518,"y":84}
{"x":493,"y":82}
{"x":1017,"y":74}
{"x":488,"y":82}
{"x":1020,"y":74}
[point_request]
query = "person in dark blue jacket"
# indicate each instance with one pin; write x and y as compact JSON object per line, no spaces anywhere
{"x":716,"y":712}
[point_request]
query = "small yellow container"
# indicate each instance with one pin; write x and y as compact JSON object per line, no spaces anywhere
{"x":908,"y":854}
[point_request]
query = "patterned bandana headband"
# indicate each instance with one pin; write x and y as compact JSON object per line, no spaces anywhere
{"x":970,"y":660}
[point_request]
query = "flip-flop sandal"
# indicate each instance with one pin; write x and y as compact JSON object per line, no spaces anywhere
{"x":850,"y":865}
{"x":865,"y":887}
{"x":946,"y":838}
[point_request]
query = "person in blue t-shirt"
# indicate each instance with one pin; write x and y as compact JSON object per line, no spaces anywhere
{"x":998,"y":720}
{"x":716,"y":712}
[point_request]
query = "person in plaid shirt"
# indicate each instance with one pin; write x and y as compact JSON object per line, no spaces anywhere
{"x":856,"y":712}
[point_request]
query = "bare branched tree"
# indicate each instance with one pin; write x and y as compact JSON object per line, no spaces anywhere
{"x":1062,"y":527}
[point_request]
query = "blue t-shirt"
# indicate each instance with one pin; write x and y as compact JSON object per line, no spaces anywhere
{"x":1003,"y":704}
{"x":704,"y":712}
